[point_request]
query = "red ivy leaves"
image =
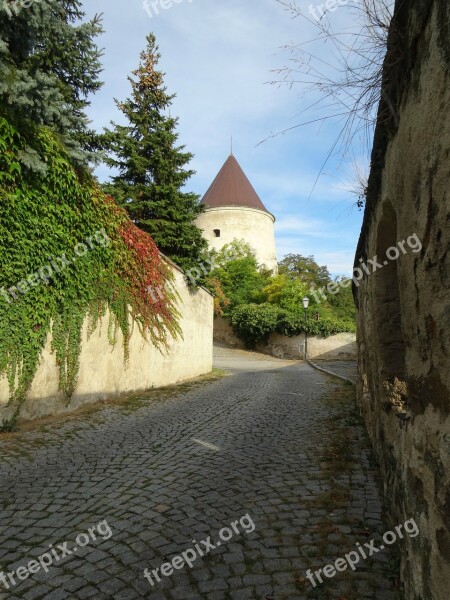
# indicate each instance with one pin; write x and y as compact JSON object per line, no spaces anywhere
{"x":148,"y":279}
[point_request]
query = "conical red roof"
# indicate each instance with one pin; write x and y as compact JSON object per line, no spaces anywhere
{"x":231,"y":187}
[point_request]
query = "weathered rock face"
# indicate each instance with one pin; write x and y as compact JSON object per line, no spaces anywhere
{"x":404,"y":304}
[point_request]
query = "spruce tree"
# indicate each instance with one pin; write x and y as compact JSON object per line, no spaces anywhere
{"x":152,"y":168}
{"x":49,"y":65}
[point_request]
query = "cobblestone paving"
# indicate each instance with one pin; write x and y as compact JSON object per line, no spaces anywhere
{"x":275,"y":440}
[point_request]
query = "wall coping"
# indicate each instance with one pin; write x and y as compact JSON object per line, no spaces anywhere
{"x":180,"y":270}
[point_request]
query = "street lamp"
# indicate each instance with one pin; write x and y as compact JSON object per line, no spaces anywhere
{"x":305,"y":302}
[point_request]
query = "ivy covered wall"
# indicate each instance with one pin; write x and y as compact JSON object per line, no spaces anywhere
{"x":67,"y":252}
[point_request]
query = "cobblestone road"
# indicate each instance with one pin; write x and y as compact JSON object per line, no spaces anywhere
{"x":275,"y":440}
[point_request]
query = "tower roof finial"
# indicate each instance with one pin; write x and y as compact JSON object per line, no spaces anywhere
{"x":231,"y":146}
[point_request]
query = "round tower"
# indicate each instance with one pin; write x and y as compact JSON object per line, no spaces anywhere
{"x":235,"y":211}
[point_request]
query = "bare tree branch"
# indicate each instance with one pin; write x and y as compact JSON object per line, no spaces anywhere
{"x":346,"y":84}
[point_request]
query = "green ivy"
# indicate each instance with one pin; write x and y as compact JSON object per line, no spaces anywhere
{"x":43,"y":219}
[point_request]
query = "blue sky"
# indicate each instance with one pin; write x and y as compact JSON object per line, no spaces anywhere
{"x":219,"y":57}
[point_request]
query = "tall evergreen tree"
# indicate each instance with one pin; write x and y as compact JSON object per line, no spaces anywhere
{"x":49,"y":65}
{"x":152,"y":168}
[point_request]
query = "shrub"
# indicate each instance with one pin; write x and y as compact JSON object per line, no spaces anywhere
{"x":253,"y":323}
{"x":291,"y":324}
{"x":285,"y":292}
{"x":241,"y":281}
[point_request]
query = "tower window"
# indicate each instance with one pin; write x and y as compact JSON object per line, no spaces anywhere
{"x":217,"y":232}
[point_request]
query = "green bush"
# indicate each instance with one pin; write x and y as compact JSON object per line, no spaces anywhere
{"x":291,"y":324}
{"x":240,"y":277}
{"x":237,"y":280}
{"x":254,"y":323}
{"x":285,"y":292}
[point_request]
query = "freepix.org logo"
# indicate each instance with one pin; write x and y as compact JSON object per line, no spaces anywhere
{"x":54,"y":267}
{"x":153,"y":7}
{"x":367,"y":269}
{"x":320,"y":10}
{"x":55,"y":554}
{"x":188,"y":557}
{"x":410,"y":528}
{"x":13,"y":8}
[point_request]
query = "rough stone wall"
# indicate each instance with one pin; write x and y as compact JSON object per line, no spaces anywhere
{"x":254,"y":226}
{"x":404,"y":306}
{"x":103,"y":373}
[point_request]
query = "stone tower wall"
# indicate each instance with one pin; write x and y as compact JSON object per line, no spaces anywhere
{"x":254,"y":226}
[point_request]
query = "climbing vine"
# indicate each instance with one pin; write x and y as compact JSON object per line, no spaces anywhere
{"x":68,"y":253}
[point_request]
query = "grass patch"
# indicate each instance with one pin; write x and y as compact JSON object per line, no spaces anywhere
{"x":8,"y":426}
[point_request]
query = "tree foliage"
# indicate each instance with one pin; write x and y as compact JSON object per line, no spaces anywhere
{"x":152,"y":168}
{"x":342,"y":304}
{"x":259,"y":303}
{"x":305,"y":269}
{"x":303,"y":276}
{"x":49,"y":65}
{"x":241,"y":280}
{"x":286,"y":292}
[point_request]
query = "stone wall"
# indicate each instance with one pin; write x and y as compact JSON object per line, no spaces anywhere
{"x":341,"y":346}
{"x":404,"y":306}
{"x":102,"y":372}
{"x":223,"y":332}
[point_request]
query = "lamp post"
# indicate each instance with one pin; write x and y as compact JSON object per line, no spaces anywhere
{"x":305,"y":302}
